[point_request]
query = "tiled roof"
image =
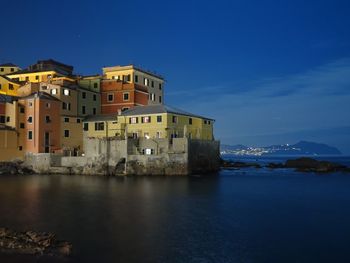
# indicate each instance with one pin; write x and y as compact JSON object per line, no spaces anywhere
{"x":6,"y":98}
{"x":154,"y":109}
{"x":101,"y":117}
{"x":10,"y":80}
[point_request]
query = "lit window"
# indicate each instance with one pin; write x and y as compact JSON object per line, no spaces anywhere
{"x":146,"y":119}
{"x":66,"y":92}
{"x":54,"y":91}
{"x":133,"y":120}
{"x":146,"y":81}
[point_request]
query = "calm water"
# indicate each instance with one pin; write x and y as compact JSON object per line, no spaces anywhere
{"x":235,"y":216}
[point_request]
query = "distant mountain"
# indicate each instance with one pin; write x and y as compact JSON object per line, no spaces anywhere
{"x":300,"y":148}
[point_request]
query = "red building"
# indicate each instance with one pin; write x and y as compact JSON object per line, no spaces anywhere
{"x":117,"y":95}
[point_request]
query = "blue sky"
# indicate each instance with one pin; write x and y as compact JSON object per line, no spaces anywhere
{"x":267,"y":71}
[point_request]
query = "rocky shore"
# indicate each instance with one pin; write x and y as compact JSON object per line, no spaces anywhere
{"x":303,"y":164}
{"x":32,"y":243}
{"x":15,"y":168}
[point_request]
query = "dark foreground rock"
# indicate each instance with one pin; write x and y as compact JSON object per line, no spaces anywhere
{"x":229,"y":164}
{"x":32,"y":243}
{"x":15,"y":167}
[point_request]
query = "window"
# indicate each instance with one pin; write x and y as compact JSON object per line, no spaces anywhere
{"x":94,"y":97}
{"x":94,"y":111}
{"x":8,"y":119}
{"x":20,"y":148}
{"x":146,"y":119}
{"x":66,"y":92}
{"x":37,"y":77}
{"x":47,"y":119}
{"x":65,"y":106}
{"x":205,"y":121}
{"x":208,"y":122}
{"x":83,"y":95}
{"x":66,"y":119}
{"x":152,"y":96}
{"x":12,"y":69}
{"x":30,"y":103}
{"x":83,"y":109}
{"x":160,"y":86}
{"x":158,"y":135}
{"x":21,"y":125}
{"x":99,"y":126}
{"x":21,"y":109}
{"x":0,"y":86}
{"x":30,"y":119}
{"x":86,"y":126}
{"x":48,"y":105}
{"x":2,"y":119}
{"x":66,"y":133}
{"x":128,"y":77}
{"x":125,"y":108}
{"x":53,"y":91}
{"x":30,"y":135}
{"x":152,"y":84}
{"x":190,"y":121}
{"x":146,"y":135}
{"x":78,"y":120}
{"x":174,"y":119}
{"x":110,"y":97}
{"x":159,"y":118}
{"x":146,"y":81}
{"x":2,"y":69}
{"x":136,"y":78}
{"x":125,"y":96}
{"x":160,"y":99}
{"x":10,"y":86}
{"x":27,"y":78}
{"x":95,"y":86}
{"x":44,"y":87}
{"x":133,"y":120}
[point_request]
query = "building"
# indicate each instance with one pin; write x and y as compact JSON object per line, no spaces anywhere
{"x":8,"y":86}
{"x":153,"y":82}
{"x":39,"y":123}
{"x":117,"y":95}
{"x":150,"y":122}
{"x":43,"y":70}
{"x":8,"y":68}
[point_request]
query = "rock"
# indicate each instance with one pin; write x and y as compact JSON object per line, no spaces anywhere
{"x":311,"y":165}
{"x":15,"y":167}
{"x":275,"y":165}
{"x":31,"y":242}
{"x":230,"y":164}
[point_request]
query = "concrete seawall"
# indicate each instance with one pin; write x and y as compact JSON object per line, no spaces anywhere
{"x":180,"y":156}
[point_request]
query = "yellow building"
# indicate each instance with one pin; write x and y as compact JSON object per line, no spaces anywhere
{"x":153,"y":121}
{"x":8,"y":86}
{"x":9,"y":149}
{"x":8,"y":68}
{"x":131,"y":74}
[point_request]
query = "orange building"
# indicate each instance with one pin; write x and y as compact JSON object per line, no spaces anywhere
{"x":117,"y":95}
{"x":40,"y":129}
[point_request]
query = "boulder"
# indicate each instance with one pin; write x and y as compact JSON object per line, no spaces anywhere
{"x":311,"y":165}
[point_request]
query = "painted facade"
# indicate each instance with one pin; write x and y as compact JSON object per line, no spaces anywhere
{"x":117,"y":95}
{"x":8,"y":86}
{"x":8,"y":68}
{"x":151,"y":122}
{"x":154,"y":83}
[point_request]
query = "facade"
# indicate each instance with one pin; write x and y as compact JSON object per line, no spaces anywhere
{"x":154,"y":83}
{"x":150,"y":122}
{"x":8,"y":68}
{"x":39,"y":123}
{"x":8,"y":86}
{"x":117,"y":96}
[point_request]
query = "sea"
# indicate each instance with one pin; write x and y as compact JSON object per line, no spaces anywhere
{"x":244,"y":215}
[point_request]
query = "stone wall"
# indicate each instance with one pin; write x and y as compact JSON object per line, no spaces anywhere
{"x":180,"y":156}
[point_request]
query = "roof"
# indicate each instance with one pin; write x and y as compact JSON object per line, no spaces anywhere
{"x":101,"y":117}
{"x":118,"y":68}
{"x":5,"y":127}
{"x":155,"y":109}
{"x":6,"y":98}
{"x":26,"y":71}
{"x":8,"y":65}
{"x":41,"y":95}
{"x":10,"y":80}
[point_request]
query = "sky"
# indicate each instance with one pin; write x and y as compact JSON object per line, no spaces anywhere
{"x":269,"y":72}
